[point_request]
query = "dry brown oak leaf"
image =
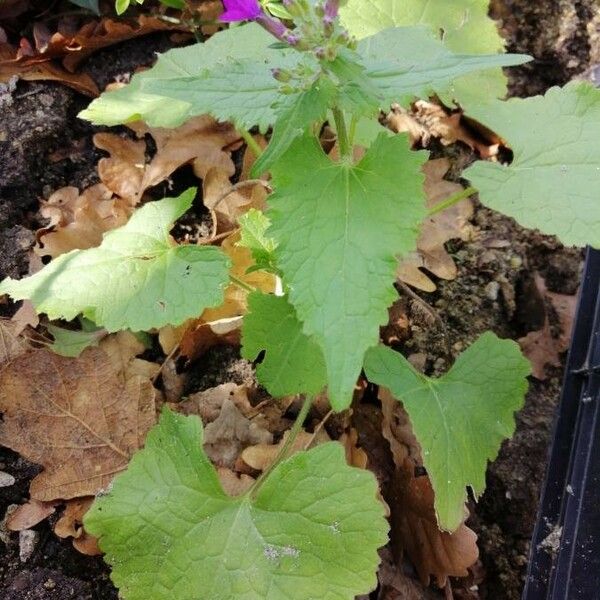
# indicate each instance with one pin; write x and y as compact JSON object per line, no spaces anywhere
{"x":544,"y":347}
{"x":414,"y":523}
{"x":55,"y":55}
{"x":78,"y":221}
{"x":201,"y":141}
{"x":78,"y":418}
{"x":438,"y":229}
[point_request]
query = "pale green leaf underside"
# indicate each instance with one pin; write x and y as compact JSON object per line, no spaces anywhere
{"x":553,"y":181}
{"x":293,"y":363}
{"x":229,"y":76}
{"x":459,"y":419}
{"x":404,"y":62}
{"x":338,"y":241}
{"x":72,"y":343}
{"x":136,"y":279}
{"x":170,"y":532}
{"x":466,"y":28}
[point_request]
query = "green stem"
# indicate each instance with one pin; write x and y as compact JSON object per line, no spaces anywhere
{"x":282,"y":454}
{"x":342,"y":133}
{"x":236,"y":281}
{"x":452,"y":201}
{"x":250,"y":141}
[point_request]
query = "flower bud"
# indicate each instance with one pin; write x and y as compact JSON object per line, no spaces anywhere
{"x":273,"y":26}
{"x":281,"y":75}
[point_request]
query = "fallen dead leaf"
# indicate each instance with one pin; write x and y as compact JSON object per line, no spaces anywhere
{"x":11,"y":345}
{"x":437,"y":230}
{"x":545,"y":346}
{"x":78,"y":418}
{"x":28,"y":515}
{"x":414,"y":523}
{"x":234,"y":484}
{"x":261,"y":456}
{"x":70,"y":525}
{"x":424,"y":120}
{"x":78,"y":221}
{"x":207,"y":404}
{"x":230,"y":433}
{"x":11,"y":65}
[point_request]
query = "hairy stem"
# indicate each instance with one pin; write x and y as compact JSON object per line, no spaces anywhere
{"x":289,"y":441}
{"x":342,"y":133}
{"x":250,"y":141}
{"x":241,"y":284}
{"x":452,"y":201}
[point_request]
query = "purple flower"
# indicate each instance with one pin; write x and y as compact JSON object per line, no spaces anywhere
{"x":241,"y":10}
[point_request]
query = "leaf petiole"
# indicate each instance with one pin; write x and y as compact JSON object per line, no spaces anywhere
{"x":452,"y":201}
{"x":342,"y":133}
{"x":250,"y":141}
{"x":282,"y":454}
{"x":241,"y":284}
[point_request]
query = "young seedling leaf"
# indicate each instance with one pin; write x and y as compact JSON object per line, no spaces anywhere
{"x":253,"y":227}
{"x":459,"y":419}
{"x":136,"y":279}
{"x":295,"y":113}
{"x":171,"y":533}
{"x":466,"y":29}
{"x":553,"y":181}
{"x":338,"y":241}
{"x":293,"y":362}
{"x":229,"y":77}
{"x":404,"y":62}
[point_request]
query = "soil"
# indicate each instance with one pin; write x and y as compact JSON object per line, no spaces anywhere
{"x":43,"y":146}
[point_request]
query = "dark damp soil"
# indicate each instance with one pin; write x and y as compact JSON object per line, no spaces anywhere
{"x":43,"y":146}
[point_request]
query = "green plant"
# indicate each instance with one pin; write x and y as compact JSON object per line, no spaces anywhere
{"x":334,"y":230}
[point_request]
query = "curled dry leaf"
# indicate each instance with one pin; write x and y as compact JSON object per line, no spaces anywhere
{"x":55,"y":55}
{"x":425,"y":120}
{"x":78,"y":418}
{"x":207,"y":404}
{"x":11,"y":65}
{"x":78,"y":221}
{"x":70,"y":525}
{"x":437,"y":230}
{"x":544,"y":346}
{"x":261,"y":456}
{"x":230,"y":433}
{"x":414,"y":523}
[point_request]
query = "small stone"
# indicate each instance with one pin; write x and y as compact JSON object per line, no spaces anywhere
{"x":28,"y":539}
{"x":6,"y":479}
{"x":49,"y":584}
{"x":492,"y":289}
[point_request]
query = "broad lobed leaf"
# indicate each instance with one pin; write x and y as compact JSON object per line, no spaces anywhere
{"x":552,"y":183}
{"x":136,"y":279}
{"x":293,"y":363}
{"x":461,"y":418}
{"x":338,"y":242}
{"x":404,"y":62}
{"x":229,"y":76}
{"x":465,"y":29}
{"x":170,"y":532}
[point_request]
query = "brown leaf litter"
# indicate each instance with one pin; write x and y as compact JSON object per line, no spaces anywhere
{"x":545,"y":346}
{"x":452,"y":223}
{"x":55,"y":55}
{"x":414,"y":523}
